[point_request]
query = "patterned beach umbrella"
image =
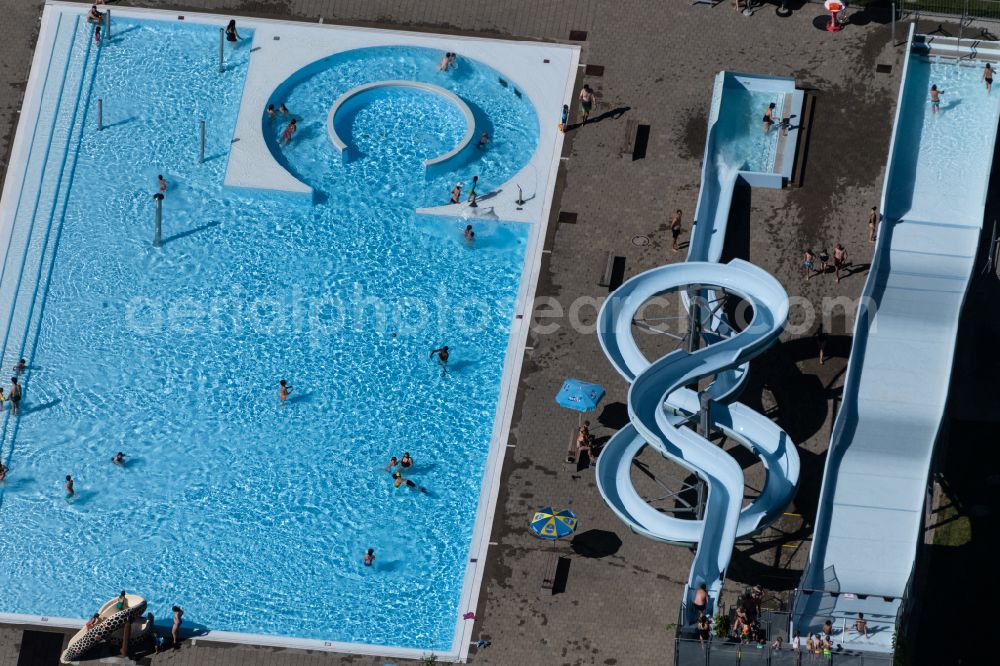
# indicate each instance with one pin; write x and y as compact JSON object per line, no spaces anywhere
{"x":548,"y":524}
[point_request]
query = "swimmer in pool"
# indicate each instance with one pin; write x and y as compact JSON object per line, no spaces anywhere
{"x":231,"y":34}
{"x":442,"y":354}
{"x":69,"y":487}
{"x":20,"y":367}
{"x":369,"y":558}
{"x":14,"y":395}
{"x":162,"y":183}
{"x":286,"y":136}
{"x":769,"y":117}
{"x":283,"y":391}
{"x":470,"y":235}
{"x":392,"y":464}
{"x":398,"y":481}
{"x":483,"y":140}
{"x":119,"y":459}
{"x":935,"y":99}
{"x":406,"y":462}
{"x":94,"y":16}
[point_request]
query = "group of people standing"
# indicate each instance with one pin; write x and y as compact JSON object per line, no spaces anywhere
{"x":839,"y":262}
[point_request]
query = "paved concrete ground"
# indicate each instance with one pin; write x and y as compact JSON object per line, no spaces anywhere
{"x":659,"y":59}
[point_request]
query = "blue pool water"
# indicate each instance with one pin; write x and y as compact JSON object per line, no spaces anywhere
{"x":421,"y":124}
{"x":252,"y":515}
{"x":740,"y":129}
{"x":943,"y":160}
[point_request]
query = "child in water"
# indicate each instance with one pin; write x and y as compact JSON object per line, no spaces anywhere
{"x":286,"y":136}
{"x":283,"y":390}
{"x":398,"y":481}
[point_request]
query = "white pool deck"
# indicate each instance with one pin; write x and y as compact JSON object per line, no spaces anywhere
{"x":545,"y":73}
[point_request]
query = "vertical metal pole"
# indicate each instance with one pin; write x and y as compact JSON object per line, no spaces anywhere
{"x":961,"y":29}
{"x":699,"y":509}
{"x":995,"y":251}
{"x":222,"y":39}
{"x":201,"y":147}
{"x":107,"y":24}
{"x":159,"y":219}
{"x":894,"y":24}
{"x":990,"y":258}
{"x":694,"y":318}
{"x":705,"y":413}
{"x":100,"y":114}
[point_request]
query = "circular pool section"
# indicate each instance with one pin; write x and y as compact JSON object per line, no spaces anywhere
{"x":408,"y":109}
{"x":345,"y":109}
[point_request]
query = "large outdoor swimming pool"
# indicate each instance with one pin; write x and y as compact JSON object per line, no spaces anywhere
{"x":252,"y":515}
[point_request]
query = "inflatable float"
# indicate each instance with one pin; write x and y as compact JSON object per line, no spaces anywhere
{"x":110,"y":628}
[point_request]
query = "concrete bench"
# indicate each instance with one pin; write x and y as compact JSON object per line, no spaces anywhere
{"x":614,"y":272}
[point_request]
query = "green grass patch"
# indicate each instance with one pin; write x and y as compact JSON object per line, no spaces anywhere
{"x":954,"y":530}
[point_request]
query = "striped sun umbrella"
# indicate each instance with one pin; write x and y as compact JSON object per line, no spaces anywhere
{"x":549,"y":524}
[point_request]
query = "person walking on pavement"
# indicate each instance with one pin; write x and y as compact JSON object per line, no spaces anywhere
{"x":586,"y":102}
{"x":675,"y":228}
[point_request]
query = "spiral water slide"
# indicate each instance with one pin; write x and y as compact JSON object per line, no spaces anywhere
{"x":662,"y":409}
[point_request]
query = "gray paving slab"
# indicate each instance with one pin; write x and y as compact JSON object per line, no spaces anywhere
{"x":659,"y":59}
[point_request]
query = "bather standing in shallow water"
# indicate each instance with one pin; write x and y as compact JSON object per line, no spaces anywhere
{"x":768,"y":117}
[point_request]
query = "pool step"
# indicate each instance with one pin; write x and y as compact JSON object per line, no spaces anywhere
{"x":789,"y":138}
{"x":23,"y":205}
{"x":74,"y":125}
{"x":39,"y":214}
{"x":786,"y":112}
{"x":951,"y":47}
{"x":37,"y":207}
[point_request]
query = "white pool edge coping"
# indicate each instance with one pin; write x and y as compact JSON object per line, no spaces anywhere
{"x":513,"y":360}
{"x":470,"y":121}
